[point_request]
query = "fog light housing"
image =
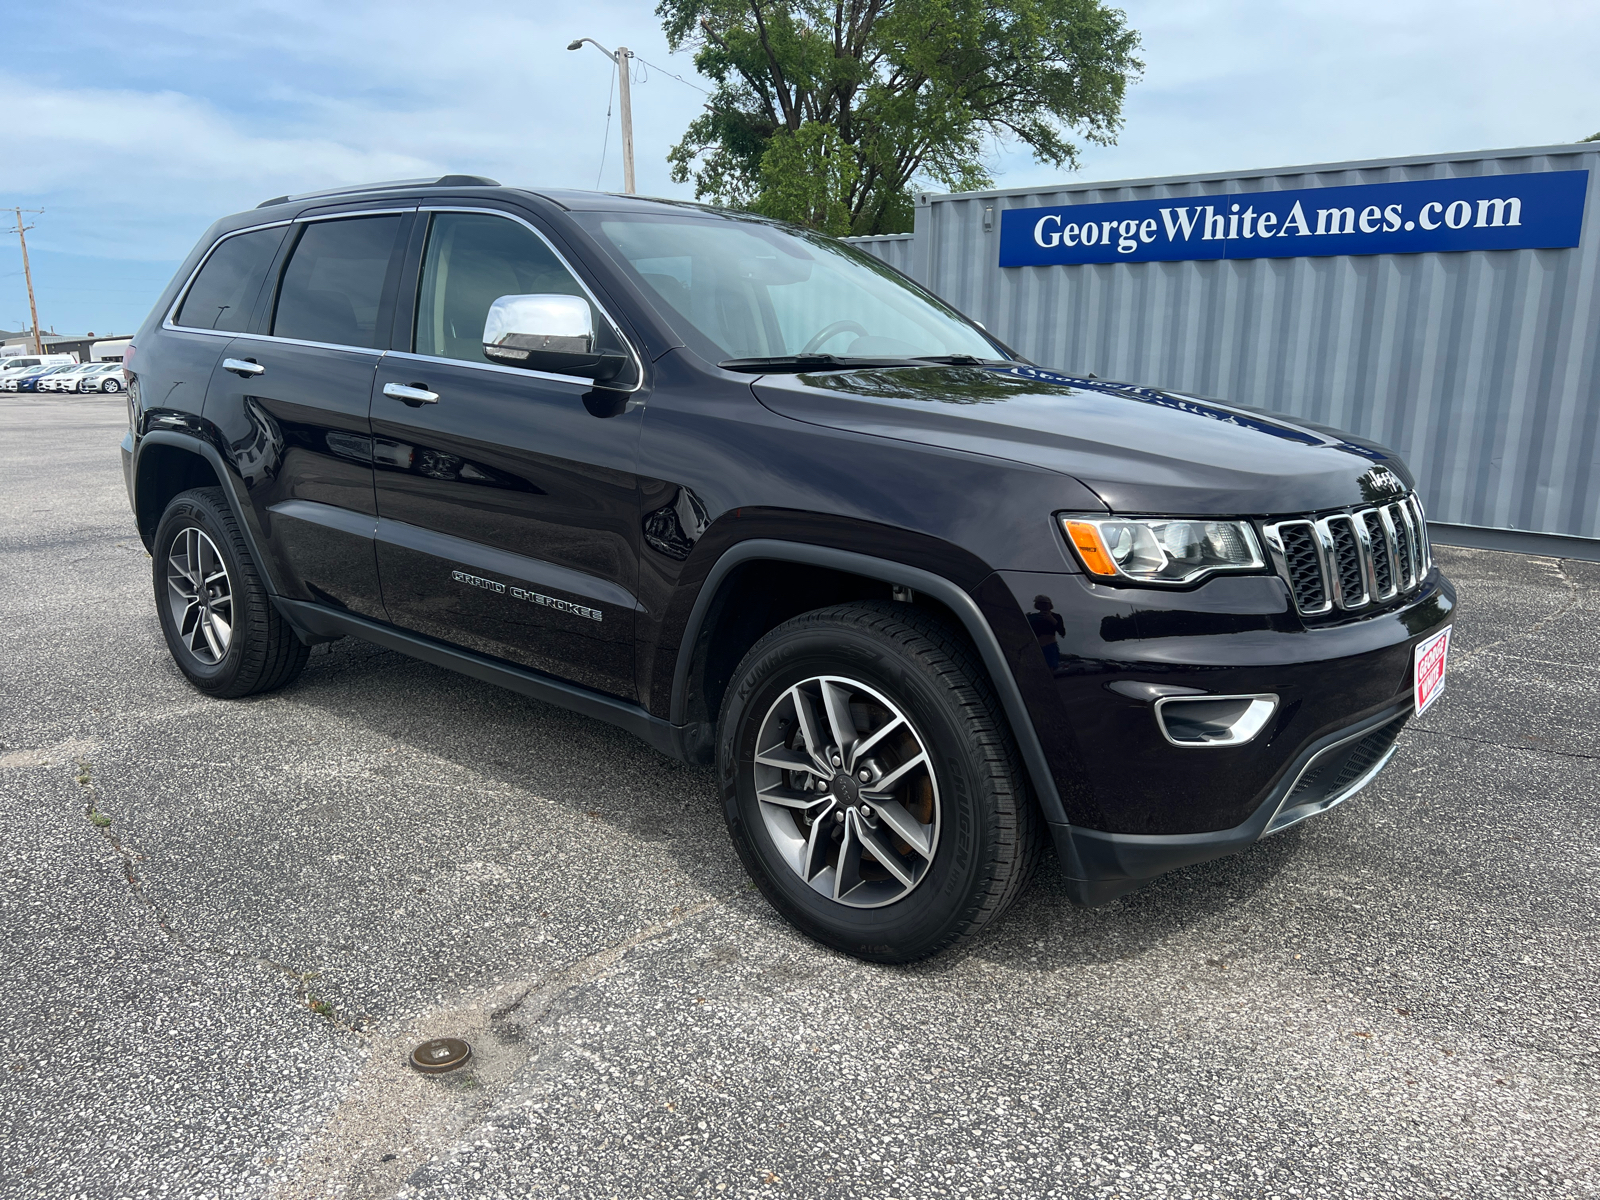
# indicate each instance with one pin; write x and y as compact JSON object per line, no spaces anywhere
{"x":1196,"y":722}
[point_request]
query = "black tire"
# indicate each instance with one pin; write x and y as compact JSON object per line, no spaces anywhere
{"x":987,"y":840}
{"x":261,"y":652}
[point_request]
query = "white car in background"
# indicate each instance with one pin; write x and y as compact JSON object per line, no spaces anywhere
{"x":65,"y":380}
{"x":101,"y":377}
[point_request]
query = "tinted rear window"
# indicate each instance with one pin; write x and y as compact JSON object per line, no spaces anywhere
{"x":224,"y":294}
{"x":334,"y":282}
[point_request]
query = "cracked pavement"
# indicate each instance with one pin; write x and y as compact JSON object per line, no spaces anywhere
{"x":213,"y":994}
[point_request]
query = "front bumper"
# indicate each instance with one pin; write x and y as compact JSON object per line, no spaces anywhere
{"x":1136,"y":805}
{"x":1101,"y":866}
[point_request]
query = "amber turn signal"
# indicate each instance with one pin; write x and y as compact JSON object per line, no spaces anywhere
{"x":1087,"y":542}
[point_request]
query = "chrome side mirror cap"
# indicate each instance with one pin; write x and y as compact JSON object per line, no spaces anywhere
{"x":548,"y":332}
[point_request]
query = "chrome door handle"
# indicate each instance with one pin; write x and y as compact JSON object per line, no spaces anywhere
{"x":242,"y":367}
{"x":412,"y":394}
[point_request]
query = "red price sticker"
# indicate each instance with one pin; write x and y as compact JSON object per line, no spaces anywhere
{"x":1427,"y":675}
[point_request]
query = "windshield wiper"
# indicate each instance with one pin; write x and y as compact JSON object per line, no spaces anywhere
{"x":812,"y":362}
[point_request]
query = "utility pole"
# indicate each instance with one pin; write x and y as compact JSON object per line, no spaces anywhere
{"x":623,"y":58}
{"x":27,"y":273}
{"x":624,"y":69}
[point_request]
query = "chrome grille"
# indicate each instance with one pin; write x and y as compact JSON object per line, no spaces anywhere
{"x":1352,"y":560}
{"x":1382,"y":560}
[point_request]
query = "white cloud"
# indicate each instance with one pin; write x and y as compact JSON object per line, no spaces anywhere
{"x":169,"y":114}
{"x":1240,"y":84}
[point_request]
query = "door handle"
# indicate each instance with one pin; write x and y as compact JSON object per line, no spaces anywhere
{"x":413,"y":394}
{"x":243,"y":367}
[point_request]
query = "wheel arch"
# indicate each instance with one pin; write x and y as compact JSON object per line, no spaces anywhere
{"x":165,"y":467}
{"x":167,"y":463}
{"x":885,"y":575}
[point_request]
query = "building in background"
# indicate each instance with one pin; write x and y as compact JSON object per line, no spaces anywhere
{"x":1443,"y":306}
{"x":88,"y":348}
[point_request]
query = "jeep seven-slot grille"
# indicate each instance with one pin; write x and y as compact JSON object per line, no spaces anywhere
{"x":1352,"y":560}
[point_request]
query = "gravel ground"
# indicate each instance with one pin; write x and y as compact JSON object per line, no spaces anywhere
{"x":226,"y":923}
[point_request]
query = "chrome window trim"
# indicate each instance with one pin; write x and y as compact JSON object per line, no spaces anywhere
{"x":355,"y":212}
{"x":521,"y":372}
{"x":633,"y":353}
{"x":167,"y":322}
{"x":283,"y":341}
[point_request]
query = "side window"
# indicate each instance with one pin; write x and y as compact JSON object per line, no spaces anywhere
{"x":471,"y":261}
{"x":224,"y":294}
{"x":333,"y":285}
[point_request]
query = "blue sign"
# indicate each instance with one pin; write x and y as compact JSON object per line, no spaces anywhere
{"x":1541,"y":210}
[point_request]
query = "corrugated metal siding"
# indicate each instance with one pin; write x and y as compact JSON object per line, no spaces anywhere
{"x":893,"y":248}
{"x":1478,"y":367}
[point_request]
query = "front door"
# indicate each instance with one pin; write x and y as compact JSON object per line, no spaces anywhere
{"x":508,"y":506}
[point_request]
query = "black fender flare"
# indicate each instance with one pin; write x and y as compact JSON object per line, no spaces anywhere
{"x":192,"y":444}
{"x":953,"y":597}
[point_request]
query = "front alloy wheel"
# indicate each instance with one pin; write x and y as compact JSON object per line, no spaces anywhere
{"x":847,"y":791}
{"x":871,"y":783}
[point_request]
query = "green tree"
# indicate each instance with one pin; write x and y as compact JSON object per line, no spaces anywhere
{"x":826,"y":112}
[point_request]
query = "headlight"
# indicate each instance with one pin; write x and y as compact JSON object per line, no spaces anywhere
{"x":1168,"y":550}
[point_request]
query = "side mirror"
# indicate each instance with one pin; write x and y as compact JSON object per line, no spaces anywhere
{"x":548,"y":332}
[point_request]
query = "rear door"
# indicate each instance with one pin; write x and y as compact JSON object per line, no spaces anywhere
{"x":219,"y":302}
{"x":508,"y":505}
{"x":290,"y":404}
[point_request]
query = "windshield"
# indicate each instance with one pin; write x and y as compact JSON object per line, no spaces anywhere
{"x":739,"y":289}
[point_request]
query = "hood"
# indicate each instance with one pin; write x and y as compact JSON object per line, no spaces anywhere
{"x":1140,"y":449}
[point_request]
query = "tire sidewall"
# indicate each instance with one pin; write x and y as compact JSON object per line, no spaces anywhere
{"x":943,"y":901}
{"x":188,"y":510}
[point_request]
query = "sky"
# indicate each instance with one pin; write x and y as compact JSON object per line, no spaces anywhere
{"x":141,"y":124}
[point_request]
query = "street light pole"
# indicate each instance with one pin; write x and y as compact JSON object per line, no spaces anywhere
{"x":27,"y":274}
{"x":624,"y":62}
{"x":623,"y":58}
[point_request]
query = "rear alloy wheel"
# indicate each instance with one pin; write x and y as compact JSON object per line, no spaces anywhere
{"x":220,"y":625}
{"x":870,"y":784}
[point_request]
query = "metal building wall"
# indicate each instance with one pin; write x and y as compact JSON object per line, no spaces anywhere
{"x":893,"y":248}
{"x":1479,"y":367}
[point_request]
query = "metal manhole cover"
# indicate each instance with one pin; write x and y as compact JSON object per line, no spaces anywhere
{"x":438,"y":1055}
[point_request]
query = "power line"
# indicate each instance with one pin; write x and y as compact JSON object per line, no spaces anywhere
{"x":669,"y":75}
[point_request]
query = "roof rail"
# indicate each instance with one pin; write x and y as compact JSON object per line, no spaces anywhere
{"x":388,"y":185}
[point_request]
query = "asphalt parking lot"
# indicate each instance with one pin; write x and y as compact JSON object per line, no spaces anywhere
{"x":226,"y":923}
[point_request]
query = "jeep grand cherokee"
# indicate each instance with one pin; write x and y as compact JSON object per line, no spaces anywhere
{"x":765,"y":502}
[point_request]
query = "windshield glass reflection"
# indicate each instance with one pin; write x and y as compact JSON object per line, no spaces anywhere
{"x":743,"y":288}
